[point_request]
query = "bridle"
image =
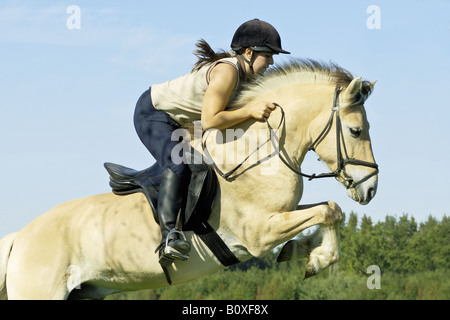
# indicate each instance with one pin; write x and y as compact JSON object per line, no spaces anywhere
{"x":341,"y":161}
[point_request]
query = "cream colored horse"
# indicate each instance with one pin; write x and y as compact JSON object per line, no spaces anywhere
{"x":102,"y":244}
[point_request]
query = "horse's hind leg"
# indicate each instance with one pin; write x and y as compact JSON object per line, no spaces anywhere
{"x":35,"y":279}
{"x":27,"y":287}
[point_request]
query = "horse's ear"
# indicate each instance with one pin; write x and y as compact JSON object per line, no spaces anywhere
{"x":367,"y":88}
{"x":353,"y":88}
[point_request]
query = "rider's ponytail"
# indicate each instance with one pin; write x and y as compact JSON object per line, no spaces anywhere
{"x":206,"y":54}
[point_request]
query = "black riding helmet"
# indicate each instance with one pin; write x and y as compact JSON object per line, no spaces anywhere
{"x":259,"y":36}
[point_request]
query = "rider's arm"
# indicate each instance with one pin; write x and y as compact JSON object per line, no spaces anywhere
{"x":223,"y":79}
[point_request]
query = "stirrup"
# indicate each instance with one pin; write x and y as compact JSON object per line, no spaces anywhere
{"x":170,"y":252}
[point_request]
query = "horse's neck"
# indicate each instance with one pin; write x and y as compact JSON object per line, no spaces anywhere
{"x":305,"y":108}
{"x":293,"y":136}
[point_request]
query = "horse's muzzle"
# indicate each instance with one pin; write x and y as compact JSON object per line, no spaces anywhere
{"x":365,"y":192}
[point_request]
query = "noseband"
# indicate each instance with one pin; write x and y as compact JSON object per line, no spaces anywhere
{"x":341,"y":161}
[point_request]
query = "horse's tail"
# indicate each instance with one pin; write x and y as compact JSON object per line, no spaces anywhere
{"x":5,"y":249}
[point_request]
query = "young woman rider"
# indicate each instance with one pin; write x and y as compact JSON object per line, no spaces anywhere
{"x":202,"y":95}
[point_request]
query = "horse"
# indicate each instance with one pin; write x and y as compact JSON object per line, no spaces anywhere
{"x":95,"y":246}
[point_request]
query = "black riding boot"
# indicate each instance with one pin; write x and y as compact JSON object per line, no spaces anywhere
{"x":172,"y":191}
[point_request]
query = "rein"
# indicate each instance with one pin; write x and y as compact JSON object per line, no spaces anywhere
{"x":341,"y":161}
{"x":227,"y":175}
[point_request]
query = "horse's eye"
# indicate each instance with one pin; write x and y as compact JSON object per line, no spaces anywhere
{"x":355,"y":132}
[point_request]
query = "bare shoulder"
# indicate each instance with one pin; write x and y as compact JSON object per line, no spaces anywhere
{"x":224,"y":72}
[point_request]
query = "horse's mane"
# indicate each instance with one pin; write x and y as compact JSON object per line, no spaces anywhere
{"x":297,"y":71}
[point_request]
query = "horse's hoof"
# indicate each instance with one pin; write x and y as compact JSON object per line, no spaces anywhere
{"x":311,"y":269}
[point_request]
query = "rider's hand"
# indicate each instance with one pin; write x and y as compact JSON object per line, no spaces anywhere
{"x":259,"y":112}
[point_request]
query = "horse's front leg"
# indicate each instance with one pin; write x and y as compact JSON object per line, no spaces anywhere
{"x":321,"y":248}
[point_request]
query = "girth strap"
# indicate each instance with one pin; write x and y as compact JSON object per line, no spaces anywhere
{"x":215,"y":244}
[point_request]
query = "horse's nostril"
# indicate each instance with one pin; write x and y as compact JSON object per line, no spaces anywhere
{"x":370,"y":193}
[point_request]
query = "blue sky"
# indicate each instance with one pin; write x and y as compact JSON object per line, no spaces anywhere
{"x":67,"y":96}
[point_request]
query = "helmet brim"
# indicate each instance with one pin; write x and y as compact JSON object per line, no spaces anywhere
{"x":277,"y":50}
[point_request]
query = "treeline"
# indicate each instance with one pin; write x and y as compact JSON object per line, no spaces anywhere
{"x":400,"y":246}
{"x":413,"y":260}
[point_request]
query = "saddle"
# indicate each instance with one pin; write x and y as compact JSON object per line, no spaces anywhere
{"x":202,"y":191}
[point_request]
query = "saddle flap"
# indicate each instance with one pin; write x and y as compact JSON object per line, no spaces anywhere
{"x":196,"y":185}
